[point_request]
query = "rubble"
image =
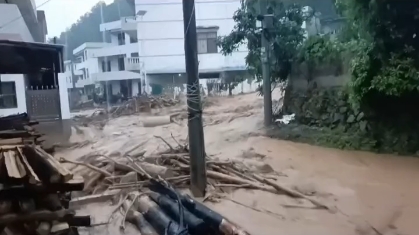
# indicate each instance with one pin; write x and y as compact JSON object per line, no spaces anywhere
{"x":137,"y":177}
{"x":34,"y":186}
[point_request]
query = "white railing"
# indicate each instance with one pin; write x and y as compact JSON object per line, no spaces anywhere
{"x":132,"y":63}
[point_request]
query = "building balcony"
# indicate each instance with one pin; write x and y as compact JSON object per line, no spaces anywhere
{"x":132,"y":64}
{"x":115,"y":76}
{"x":116,"y":50}
{"x":208,"y":63}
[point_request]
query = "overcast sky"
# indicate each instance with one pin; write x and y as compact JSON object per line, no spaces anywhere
{"x":61,"y":14}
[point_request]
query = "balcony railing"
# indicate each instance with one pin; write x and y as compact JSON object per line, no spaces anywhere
{"x":132,"y":64}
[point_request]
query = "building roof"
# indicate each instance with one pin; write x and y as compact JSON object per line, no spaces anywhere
{"x":87,"y":45}
{"x":29,"y":57}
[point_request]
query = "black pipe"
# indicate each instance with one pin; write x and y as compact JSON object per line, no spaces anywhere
{"x":195,"y":225}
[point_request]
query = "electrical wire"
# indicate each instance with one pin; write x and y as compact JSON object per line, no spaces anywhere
{"x":21,"y":16}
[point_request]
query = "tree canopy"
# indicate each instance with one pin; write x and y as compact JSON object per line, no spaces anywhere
{"x":284,"y":39}
{"x":383,"y":36}
{"x":86,"y":29}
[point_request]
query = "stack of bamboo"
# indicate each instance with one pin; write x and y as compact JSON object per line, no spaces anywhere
{"x":34,"y":186}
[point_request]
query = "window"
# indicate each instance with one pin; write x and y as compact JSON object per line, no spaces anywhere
{"x":106,"y":66}
{"x":207,"y":42}
{"x":103,"y":66}
{"x":133,"y":40}
{"x":8,"y":99}
{"x":87,"y":73}
{"x":121,"y":65}
{"x":121,"y":38}
{"x":135,"y":54}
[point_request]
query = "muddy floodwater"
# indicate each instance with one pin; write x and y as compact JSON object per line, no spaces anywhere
{"x":370,"y":193}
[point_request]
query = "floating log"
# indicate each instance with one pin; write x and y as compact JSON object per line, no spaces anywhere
{"x":14,"y":165}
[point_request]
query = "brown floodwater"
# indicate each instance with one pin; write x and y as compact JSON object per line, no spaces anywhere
{"x":368,"y":191}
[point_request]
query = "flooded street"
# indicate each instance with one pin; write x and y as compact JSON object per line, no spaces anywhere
{"x":370,"y":193}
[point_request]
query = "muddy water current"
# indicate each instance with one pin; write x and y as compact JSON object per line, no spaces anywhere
{"x":370,"y":193}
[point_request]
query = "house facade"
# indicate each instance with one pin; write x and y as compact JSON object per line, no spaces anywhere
{"x":112,"y":67}
{"x":42,"y":95}
{"x":160,"y":32}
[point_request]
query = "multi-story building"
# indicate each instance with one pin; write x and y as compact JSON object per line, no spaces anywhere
{"x":161,"y":41}
{"x":114,"y":65}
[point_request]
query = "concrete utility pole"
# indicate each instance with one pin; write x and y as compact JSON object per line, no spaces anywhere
{"x":106,"y":59}
{"x":266,"y":73}
{"x":195,"y":130}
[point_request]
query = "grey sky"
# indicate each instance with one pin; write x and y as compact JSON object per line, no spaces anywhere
{"x":61,"y":14}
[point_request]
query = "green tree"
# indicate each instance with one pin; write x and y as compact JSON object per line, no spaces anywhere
{"x":284,"y":39}
{"x":385,"y":45}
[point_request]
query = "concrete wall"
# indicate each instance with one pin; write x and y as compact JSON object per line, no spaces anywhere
{"x":161,"y":35}
{"x":19,"y":81}
{"x":16,"y":26}
{"x":324,"y":76}
{"x":65,"y":104}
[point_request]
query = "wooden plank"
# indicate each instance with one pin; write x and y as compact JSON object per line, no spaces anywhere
{"x":14,"y":166}
{"x":12,"y":141}
{"x":33,"y":178}
{"x":66,"y":174}
{"x":36,"y":216}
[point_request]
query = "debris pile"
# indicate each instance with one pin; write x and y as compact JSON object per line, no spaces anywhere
{"x":34,"y":186}
{"x":143,"y":104}
{"x":131,"y":172}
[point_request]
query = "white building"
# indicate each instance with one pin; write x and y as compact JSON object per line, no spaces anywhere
{"x":115,"y":64}
{"x":20,"y":21}
{"x":161,"y":41}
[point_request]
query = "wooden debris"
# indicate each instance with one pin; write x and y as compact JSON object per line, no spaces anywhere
{"x":32,"y":182}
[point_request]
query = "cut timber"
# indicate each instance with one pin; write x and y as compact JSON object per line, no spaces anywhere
{"x":14,"y":166}
{"x":66,"y":174}
{"x":156,"y":121}
{"x":59,"y":227}
{"x":37,"y":215}
{"x":76,"y":202}
{"x":8,"y":134}
{"x":44,"y":228}
{"x":13,"y":141}
{"x":42,"y":167}
{"x":33,"y":178}
{"x":156,"y":170}
{"x":290,"y":192}
{"x":105,"y":173}
{"x":26,"y":205}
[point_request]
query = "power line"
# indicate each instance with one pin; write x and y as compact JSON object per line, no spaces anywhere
{"x":179,"y":3}
{"x":21,"y":16}
{"x":159,"y":21}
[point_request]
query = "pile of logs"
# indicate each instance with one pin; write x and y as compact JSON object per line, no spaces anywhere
{"x":143,"y":104}
{"x":34,"y":186}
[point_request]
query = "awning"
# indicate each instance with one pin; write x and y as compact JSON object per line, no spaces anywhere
{"x":19,"y":57}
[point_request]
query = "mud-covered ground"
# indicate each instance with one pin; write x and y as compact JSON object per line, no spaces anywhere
{"x":370,"y":192}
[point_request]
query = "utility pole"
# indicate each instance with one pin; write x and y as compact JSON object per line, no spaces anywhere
{"x":266,"y":73}
{"x":106,"y":58}
{"x":195,"y":129}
